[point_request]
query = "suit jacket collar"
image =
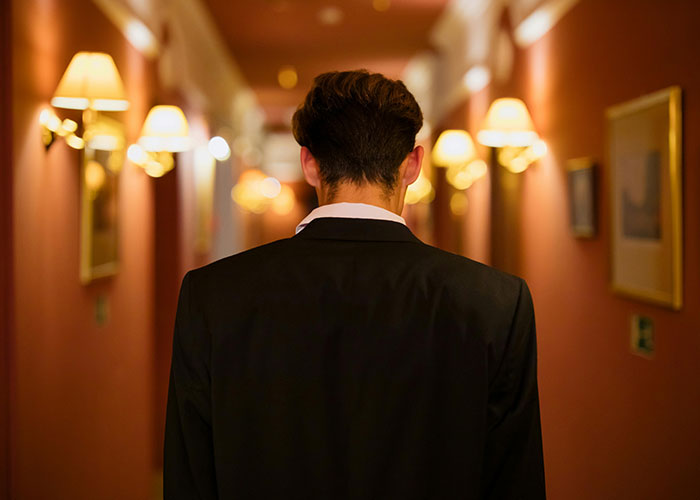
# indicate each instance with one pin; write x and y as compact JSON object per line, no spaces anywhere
{"x":336,"y":228}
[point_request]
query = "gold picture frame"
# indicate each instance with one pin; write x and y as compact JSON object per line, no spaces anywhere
{"x":645,"y":180}
{"x":103,"y":158}
{"x":581,"y":181}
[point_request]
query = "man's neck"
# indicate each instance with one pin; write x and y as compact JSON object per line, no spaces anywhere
{"x":369,"y":194}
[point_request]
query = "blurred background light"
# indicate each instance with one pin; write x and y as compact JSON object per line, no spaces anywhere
{"x":459,"y":177}
{"x":165,"y":129}
{"x":283,"y":203}
{"x":453,"y":147}
{"x":330,"y":15}
{"x":381,"y":5}
{"x":270,"y":187}
{"x":507,"y":123}
{"x":477,"y":78}
{"x":533,"y":27}
{"x":219,"y":148}
{"x":141,"y":37}
{"x":91,"y":80}
{"x":459,"y":203}
{"x":94,"y":175}
{"x":287,"y":77}
{"x":421,"y":191}
{"x":136,"y":154}
{"x":75,"y":142}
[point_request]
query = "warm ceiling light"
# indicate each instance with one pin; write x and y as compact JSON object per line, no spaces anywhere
{"x":453,"y":147}
{"x":287,"y":77}
{"x":381,"y":5}
{"x":507,"y":123}
{"x":165,"y":129}
{"x":330,"y":15}
{"x":91,"y":81}
{"x":541,"y":21}
{"x":141,"y":37}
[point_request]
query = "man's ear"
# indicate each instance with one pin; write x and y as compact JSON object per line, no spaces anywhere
{"x":413,"y":160}
{"x":309,"y":165}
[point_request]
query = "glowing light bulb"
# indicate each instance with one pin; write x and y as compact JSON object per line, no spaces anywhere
{"x":539,"y":149}
{"x":219,"y":148}
{"x":478,"y":169}
{"x":459,"y":204}
{"x":287,"y":77}
{"x":453,"y":147}
{"x":94,"y":175}
{"x":137,"y":154}
{"x":270,"y":187}
{"x":75,"y":142}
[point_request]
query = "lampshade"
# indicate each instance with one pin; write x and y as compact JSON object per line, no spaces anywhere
{"x":91,"y":81}
{"x":507,"y":123}
{"x":165,"y":129}
{"x":453,"y":147}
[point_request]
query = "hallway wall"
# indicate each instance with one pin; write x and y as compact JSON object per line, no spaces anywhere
{"x":82,"y":407}
{"x":615,"y":425}
{"x":6,"y":271}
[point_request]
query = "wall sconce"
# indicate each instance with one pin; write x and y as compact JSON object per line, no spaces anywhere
{"x":91,"y":83}
{"x":165,"y":131}
{"x":509,"y":128}
{"x":455,"y":150}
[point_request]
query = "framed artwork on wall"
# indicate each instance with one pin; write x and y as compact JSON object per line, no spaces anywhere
{"x":582,"y":197}
{"x":103,"y":158}
{"x":644,"y":141}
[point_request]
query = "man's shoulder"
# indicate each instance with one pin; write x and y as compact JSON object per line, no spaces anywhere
{"x":250,"y":260}
{"x":440,"y":266}
{"x":462,"y":275}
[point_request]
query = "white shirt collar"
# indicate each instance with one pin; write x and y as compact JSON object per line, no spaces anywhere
{"x":350,"y":211}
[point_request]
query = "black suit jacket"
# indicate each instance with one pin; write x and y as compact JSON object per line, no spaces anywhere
{"x":352,"y":361}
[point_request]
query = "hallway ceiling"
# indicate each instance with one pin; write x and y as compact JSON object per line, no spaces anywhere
{"x":264,"y":35}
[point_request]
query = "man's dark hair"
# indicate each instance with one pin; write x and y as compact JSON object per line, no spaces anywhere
{"x":359,"y":126}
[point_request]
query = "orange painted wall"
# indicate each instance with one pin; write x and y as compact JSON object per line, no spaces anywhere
{"x":615,"y":425}
{"x":6,"y":291}
{"x":82,"y":406}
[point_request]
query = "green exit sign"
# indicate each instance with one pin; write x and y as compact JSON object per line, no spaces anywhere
{"x":642,"y":336}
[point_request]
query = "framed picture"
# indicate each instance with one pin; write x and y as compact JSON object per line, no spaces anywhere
{"x":644,"y":139}
{"x":103,"y":158}
{"x":582,"y":197}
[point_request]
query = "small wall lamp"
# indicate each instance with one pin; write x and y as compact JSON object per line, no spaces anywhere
{"x":509,"y":128}
{"x":455,"y":150}
{"x":165,"y":131}
{"x":91,"y":83}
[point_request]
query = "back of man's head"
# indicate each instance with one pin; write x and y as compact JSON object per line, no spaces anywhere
{"x":359,"y":126}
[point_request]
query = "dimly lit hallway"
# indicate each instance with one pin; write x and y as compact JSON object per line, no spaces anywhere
{"x":85,"y":360}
